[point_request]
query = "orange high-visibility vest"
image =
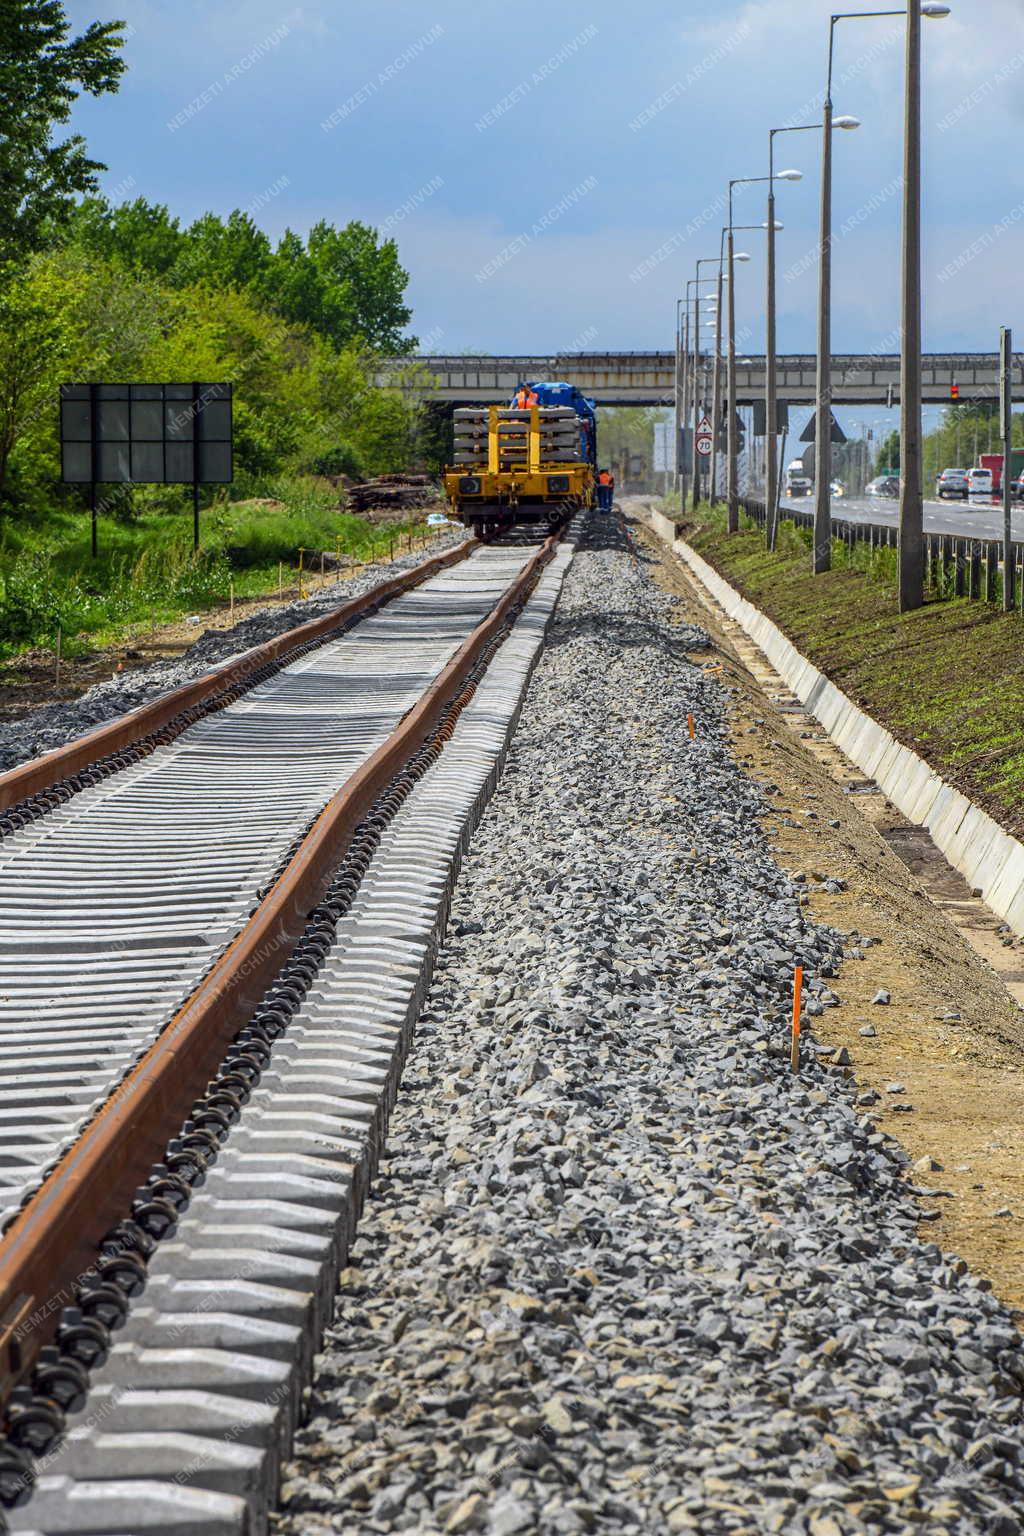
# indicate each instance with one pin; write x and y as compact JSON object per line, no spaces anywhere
{"x":604,"y":478}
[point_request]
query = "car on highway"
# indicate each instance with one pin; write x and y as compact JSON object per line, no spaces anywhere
{"x":979,"y":482}
{"x":1017,"y":489}
{"x":837,"y":488}
{"x":884,"y":485}
{"x":952,"y":484}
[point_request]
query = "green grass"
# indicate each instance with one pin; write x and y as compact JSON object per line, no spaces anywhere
{"x":947,"y":680}
{"x":146,"y":572}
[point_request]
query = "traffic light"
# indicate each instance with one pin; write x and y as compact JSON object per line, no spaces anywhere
{"x":954,"y":391}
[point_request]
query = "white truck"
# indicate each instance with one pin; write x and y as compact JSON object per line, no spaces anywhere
{"x":798,"y":481}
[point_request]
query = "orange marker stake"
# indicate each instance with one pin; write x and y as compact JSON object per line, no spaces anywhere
{"x":693,"y":730}
{"x":798,"y":986}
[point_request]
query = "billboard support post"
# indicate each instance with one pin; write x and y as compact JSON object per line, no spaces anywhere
{"x":146,"y":434}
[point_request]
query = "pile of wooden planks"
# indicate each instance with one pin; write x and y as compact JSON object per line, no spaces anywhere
{"x":398,"y":493}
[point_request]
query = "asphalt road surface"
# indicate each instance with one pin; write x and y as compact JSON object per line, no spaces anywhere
{"x":967,"y":519}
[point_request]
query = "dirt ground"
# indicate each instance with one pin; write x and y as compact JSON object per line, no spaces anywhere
{"x":952,"y":1034}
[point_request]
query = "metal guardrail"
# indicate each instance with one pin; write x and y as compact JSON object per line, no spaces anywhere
{"x":955,"y":565}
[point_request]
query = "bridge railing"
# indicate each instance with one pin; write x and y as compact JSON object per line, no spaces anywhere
{"x":955,"y":566}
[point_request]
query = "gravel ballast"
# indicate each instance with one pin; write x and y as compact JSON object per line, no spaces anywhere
{"x":56,"y":724}
{"x":621,"y":1271}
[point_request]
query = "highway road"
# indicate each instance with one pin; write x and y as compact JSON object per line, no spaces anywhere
{"x":976,"y":519}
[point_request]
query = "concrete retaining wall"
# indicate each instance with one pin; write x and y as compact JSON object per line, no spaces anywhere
{"x":988,"y":857}
{"x":663,"y":526}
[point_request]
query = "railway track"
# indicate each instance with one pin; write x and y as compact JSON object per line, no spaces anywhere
{"x":217,"y":919}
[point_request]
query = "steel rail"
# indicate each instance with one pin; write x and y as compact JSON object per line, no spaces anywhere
{"x":52,"y":1242}
{"x":119,"y":735}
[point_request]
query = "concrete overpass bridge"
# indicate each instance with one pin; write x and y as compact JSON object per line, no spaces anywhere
{"x":648,"y":378}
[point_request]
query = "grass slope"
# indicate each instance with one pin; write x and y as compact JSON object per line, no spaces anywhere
{"x":146,"y":572}
{"x":947,"y":680}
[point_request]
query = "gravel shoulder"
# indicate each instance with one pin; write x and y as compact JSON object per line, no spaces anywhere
{"x":622,"y":1271}
{"x":950,"y":1034}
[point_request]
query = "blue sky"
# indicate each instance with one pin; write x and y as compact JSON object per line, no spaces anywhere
{"x":552,"y":173}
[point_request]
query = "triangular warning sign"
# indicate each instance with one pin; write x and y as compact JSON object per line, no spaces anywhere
{"x":837,"y":435}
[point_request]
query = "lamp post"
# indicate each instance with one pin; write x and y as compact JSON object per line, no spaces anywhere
{"x":732,"y":499}
{"x":716,"y":393}
{"x":680,"y":393}
{"x":709,"y":382}
{"x":911,"y":519}
{"x":691,"y":360}
{"x":821,"y":554}
{"x":770,"y":368}
{"x":911,"y":535}
{"x":726,"y":276}
{"x":780,"y":175}
{"x":689,"y":385}
{"x":733,"y":503}
{"x":682,"y":416}
{"x":704,"y":261}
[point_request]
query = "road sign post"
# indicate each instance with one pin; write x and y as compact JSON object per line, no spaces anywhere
{"x":705,"y":436}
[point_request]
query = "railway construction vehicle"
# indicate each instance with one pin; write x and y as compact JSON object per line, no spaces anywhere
{"x":524,"y":463}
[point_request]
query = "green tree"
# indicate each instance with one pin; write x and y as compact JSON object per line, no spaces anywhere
{"x":626,"y":431}
{"x":69,"y":316}
{"x":43,"y":70}
{"x":37,"y":333}
{"x":345,"y":284}
{"x":352,"y":289}
{"x":435,"y":434}
{"x":888,"y":454}
{"x":225,"y":253}
{"x":141,"y":236}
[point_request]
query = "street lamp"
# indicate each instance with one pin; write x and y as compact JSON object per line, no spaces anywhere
{"x":716,"y":411}
{"x":911,"y":540}
{"x":821,"y":555}
{"x":911,"y":535}
{"x":732,"y":498}
{"x":770,"y":428}
{"x":698,"y":401}
{"x":771,"y":468}
{"x":689,"y":383}
{"x":680,"y":392}
{"x":682,"y":384}
{"x":771,"y":372}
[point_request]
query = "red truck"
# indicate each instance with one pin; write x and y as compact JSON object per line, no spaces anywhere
{"x":994,"y":462}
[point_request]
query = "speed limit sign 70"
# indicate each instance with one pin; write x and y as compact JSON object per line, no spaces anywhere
{"x":704,"y":438}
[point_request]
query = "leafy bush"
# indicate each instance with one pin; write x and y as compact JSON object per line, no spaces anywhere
{"x":146,"y":571}
{"x":343,"y":460}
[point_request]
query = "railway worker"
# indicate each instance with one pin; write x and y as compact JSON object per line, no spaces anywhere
{"x":526,"y":397}
{"x":605,"y":490}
